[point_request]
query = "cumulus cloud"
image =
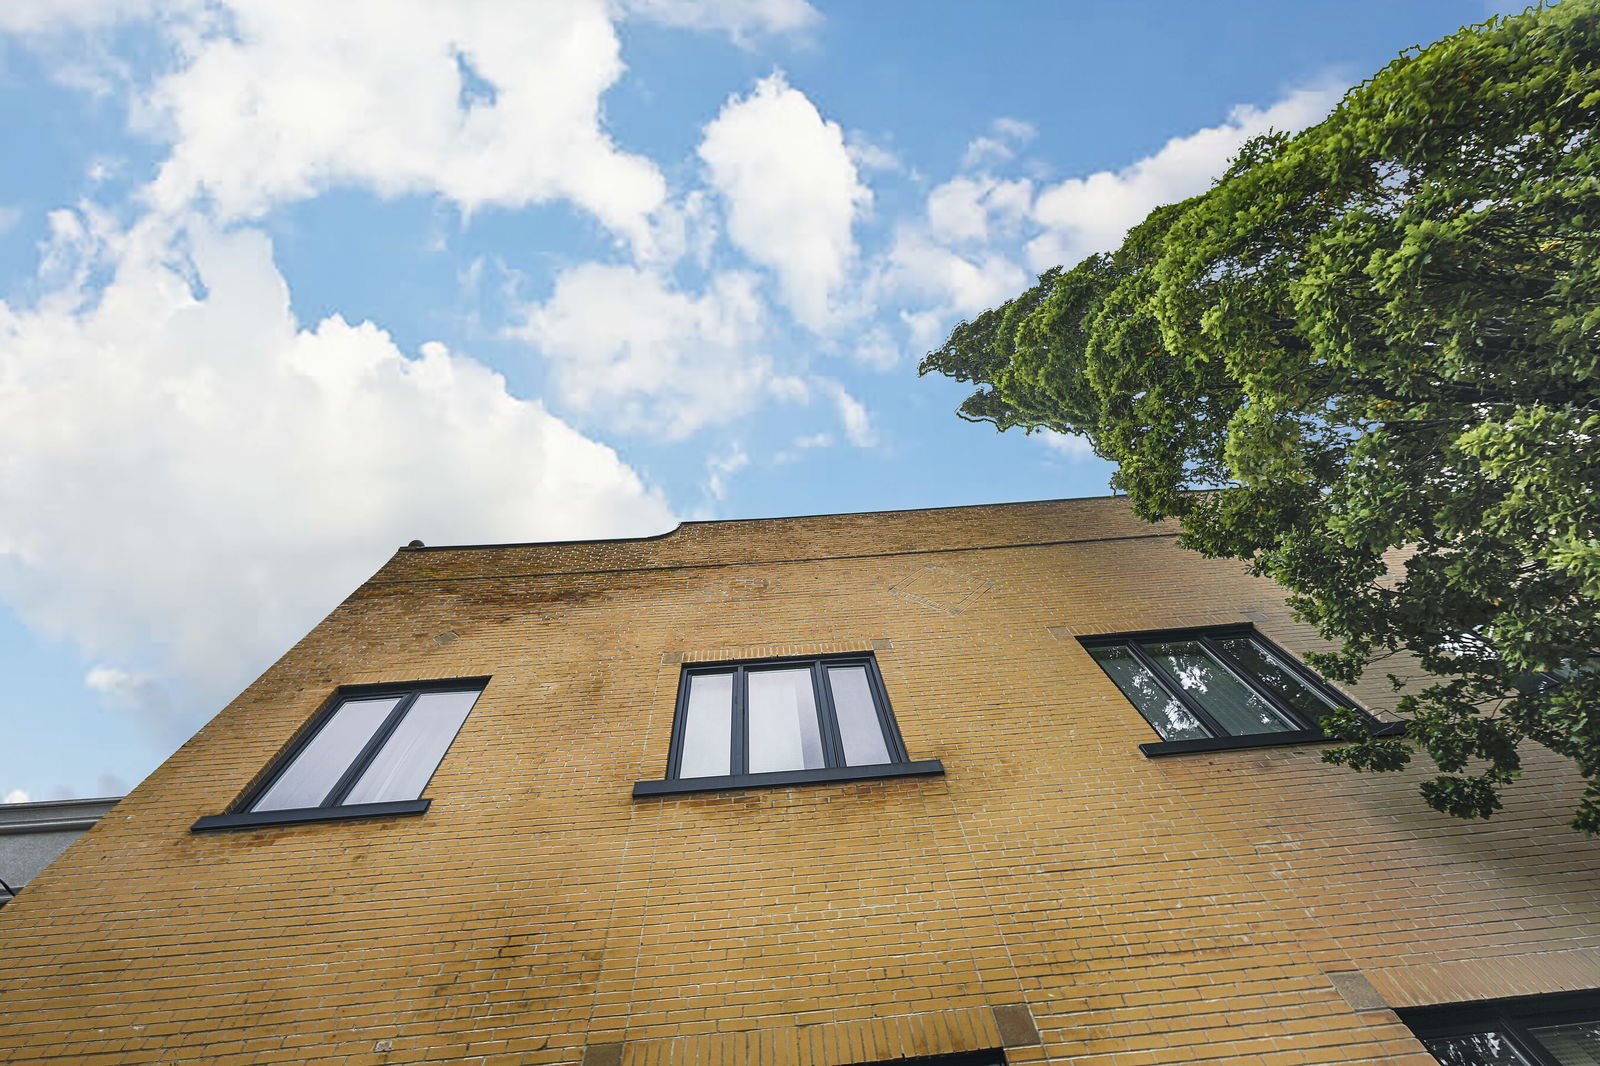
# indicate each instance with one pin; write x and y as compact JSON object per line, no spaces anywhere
{"x":485,"y":104}
{"x":1070,"y":445}
{"x":984,"y":236}
{"x":1085,"y":215}
{"x":740,"y":19}
{"x":791,"y":192}
{"x":625,"y":345}
{"x":946,"y":282}
{"x":206,"y":476}
{"x":15,"y":795}
{"x":978,"y":208}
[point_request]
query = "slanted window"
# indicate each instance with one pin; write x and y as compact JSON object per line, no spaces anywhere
{"x":1212,"y":688}
{"x":783,"y":722}
{"x":1561,"y":1030}
{"x":371,"y":751}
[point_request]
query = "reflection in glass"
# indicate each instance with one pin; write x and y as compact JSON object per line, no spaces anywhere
{"x":1475,"y":1049}
{"x":859,"y":728}
{"x":1216,"y":688}
{"x":1171,"y":719}
{"x":1573,"y":1044}
{"x":782,"y":721}
{"x":312,"y":774}
{"x":707,"y":727}
{"x":413,"y":751}
{"x":1273,"y":673}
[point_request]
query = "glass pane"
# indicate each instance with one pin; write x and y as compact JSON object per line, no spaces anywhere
{"x":1277,"y":675}
{"x":1170,"y":717}
{"x":1475,"y":1049}
{"x":707,"y":727}
{"x":412,"y":752}
{"x":859,"y":728}
{"x":311,"y":776}
{"x":782,"y":722}
{"x":1218,"y":689}
{"x":1573,"y":1044}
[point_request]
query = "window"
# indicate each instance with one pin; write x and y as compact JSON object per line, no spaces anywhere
{"x":1542,"y":1031}
{"x":1204,"y":689}
{"x":782,"y":722}
{"x":371,"y":751}
{"x":960,"y":1058}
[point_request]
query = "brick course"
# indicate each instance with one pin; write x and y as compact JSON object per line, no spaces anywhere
{"x":1246,"y":906}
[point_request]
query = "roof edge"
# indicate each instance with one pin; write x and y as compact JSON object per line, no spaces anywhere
{"x":741,"y":521}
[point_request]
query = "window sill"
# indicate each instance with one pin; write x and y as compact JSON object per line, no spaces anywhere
{"x":1159,"y":748}
{"x":262,"y":819}
{"x":782,"y":778}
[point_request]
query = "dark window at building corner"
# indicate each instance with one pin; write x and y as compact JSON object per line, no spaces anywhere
{"x":996,"y":1057}
{"x":783,"y":721}
{"x":1212,"y":685}
{"x":372,"y":750}
{"x":1558,"y":1030}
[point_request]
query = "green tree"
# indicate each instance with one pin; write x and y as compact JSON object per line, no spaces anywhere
{"x":1377,"y":345}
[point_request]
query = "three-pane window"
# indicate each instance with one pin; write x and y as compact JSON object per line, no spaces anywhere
{"x":1199,"y":684}
{"x":753,"y":718}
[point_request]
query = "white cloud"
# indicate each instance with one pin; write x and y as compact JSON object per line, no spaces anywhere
{"x":626,"y":346}
{"x":722,"y":466}
{"x":196,"y":479}
{"x":954,"y":283}
{"x":486,"y":104}
{"x":1000,"y":144}
{"x":1071,"y":445}
{"x":141,"y":694}
{"x":15,"y":795}
{"x":853,"y":415}
{"x":740,"y":19}
{"x":977,"y":209}
{"x":877,"y":349}
{"x":1085,"y":215}
{"x":870,"y":155}
{"x":791,"y":191}
{"x":54,"y":16}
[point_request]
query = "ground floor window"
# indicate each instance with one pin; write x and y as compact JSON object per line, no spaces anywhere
{"x":1535,"y":1031}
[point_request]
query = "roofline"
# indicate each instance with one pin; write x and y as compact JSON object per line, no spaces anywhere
{"x":69,"y":802}
{"x":736,"y":521}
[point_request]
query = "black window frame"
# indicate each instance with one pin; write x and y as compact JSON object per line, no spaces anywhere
{"x":1514,"y":1017}
{"x":992,"y":1057}
{"x":902,"y":765}
{"x":1221,"y":740}
{"x":241,"y":815}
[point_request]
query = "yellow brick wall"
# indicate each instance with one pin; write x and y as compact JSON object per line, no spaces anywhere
{"x":1247,"y":906}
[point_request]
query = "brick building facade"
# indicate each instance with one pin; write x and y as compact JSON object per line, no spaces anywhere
{"x":1014,"y":876}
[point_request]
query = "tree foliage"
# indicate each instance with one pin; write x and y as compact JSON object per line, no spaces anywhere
{"x":1377,"y":344}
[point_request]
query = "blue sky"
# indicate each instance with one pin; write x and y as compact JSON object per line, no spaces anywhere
{"x":284,"y":285}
